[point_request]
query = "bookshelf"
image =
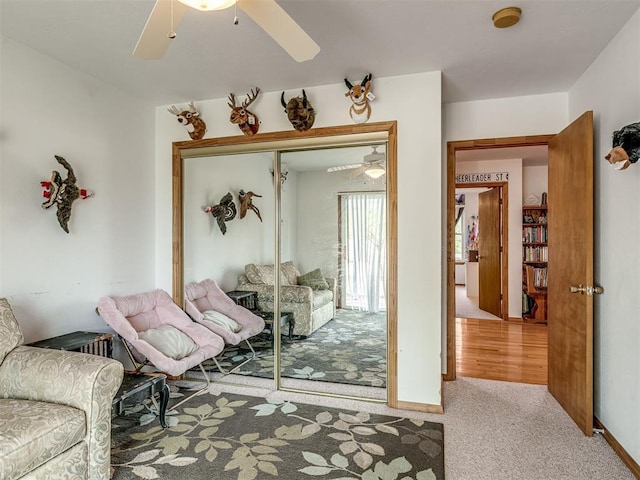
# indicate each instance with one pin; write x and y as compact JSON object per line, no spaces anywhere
{"x":535,"y":255}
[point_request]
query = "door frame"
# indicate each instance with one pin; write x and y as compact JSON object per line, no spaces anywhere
{"x":503,"y":188}
{"x":452,"y":148}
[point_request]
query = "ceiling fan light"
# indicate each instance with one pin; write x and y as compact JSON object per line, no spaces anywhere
{"x":207,"y":5}
{"x":375,"y":171}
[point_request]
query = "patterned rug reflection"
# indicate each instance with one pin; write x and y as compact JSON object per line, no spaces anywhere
{"x":351,"y":349}
{"x":238,"y":437}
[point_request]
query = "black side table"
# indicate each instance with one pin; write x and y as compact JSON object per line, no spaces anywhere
{"x":246,"y":299}
{"x":137,"y":387}
{"x":286,"y":321}
{"x":86,"y":342}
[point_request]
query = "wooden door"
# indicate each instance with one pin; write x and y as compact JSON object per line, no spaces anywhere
{"x":489,"y":266}
{"x":570,"y":315}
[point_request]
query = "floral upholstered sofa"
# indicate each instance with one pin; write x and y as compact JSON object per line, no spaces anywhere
{"x":311,"y":300}
{"x":55,"y":409}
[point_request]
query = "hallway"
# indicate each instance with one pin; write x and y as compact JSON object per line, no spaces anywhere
{"x":499,"y":350}
{"x":467,"y":307}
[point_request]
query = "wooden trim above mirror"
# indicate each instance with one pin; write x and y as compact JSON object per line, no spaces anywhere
{"x":292,"y":140}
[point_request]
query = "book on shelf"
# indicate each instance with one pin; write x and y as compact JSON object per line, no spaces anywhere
{"x":540,"y":277}
{"x":536,"y":254}
{"x":536,"y":234}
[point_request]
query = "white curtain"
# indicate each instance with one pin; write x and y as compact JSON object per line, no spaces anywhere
{"x":364,"y":224}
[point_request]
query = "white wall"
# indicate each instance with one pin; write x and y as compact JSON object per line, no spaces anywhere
{"x":505,"y":117}
{"x":514,"y":168}
{"x":611,"y":88}
{"x":289,"y":218}
{"x":419,"y":170}
{"x":207,"y":252}
{"x":534,"y":181}
{"x":54,"y":279}
{"x":460,"y":275}
{"x":318,"y":216}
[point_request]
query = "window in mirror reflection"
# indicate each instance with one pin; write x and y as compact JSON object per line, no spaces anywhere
{"x":364,"y":262}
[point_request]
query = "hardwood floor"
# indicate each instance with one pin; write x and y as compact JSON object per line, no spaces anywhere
{"x":499,"y":350}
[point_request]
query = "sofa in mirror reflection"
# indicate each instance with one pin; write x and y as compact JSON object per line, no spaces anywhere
{"x":310,"y":298}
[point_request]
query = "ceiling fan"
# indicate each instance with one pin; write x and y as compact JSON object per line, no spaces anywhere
{"x":167,"y":14}
{"x":371,"y":165}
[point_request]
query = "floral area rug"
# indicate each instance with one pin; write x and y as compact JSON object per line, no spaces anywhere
{"x":238,"y":437}
{"x":351,"y":349}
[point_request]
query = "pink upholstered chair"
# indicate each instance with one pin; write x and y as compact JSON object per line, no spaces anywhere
{"x":142,"y":318}
{"x":206,"y":296}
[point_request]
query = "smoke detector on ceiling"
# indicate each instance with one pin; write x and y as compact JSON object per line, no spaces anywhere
{"x":507,"y":17}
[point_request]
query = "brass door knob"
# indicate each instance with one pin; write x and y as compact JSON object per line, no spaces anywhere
{"x":588,"y":290}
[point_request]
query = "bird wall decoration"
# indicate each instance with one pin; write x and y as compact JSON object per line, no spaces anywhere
{"x":246,"y":203}
{"x":223,"y":212}
{"x":62,"y":193}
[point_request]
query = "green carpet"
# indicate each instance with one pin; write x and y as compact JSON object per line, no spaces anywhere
{"x":238,"y":437}
{"x":350,"y":349}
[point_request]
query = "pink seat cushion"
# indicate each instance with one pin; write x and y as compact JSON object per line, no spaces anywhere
{"x":207,"y":295}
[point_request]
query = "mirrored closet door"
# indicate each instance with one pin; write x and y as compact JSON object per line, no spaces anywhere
{"x":333,"y":252}
{"x":222,"y":236}
{"x":318,"y":205}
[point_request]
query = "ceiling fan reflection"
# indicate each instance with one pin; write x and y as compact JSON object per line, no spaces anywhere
{"x":372,"y":165}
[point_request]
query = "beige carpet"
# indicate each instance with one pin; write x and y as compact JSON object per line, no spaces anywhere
{"x":467,"y":307}
{"x":494,"y":431}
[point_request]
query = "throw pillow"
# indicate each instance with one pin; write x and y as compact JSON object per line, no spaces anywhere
{"x":170,"y":341}
{"x":221,"y":320}
{"x":314,"y":279}
{"x":252,"y":273}
{"x":266,"y":274}
{"x":10,"y":334}
{"x":263,"y":274}
{"x":290,"y":272}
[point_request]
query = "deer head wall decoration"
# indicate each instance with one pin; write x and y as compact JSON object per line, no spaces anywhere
{"x":246,"y":120}
{"x":191,"y":120}
{"x":299,"y":112}
{"x":360,"y":95}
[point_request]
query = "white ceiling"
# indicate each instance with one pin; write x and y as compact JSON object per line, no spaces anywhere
{"x":549,"y":49}
{"x":321,"y":159}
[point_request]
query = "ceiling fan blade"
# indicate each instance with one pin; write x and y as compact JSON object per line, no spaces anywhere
{"x":154,"y":40}
{"x":357,"y":172}
{"x":338,"y":168}
{"x":281,"y":27}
